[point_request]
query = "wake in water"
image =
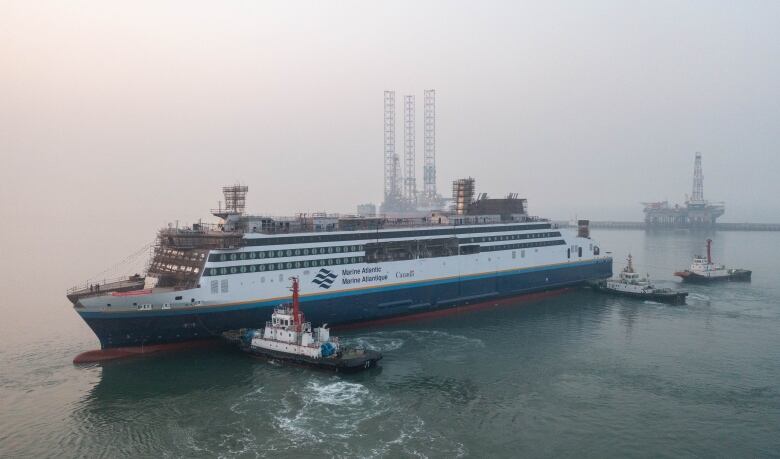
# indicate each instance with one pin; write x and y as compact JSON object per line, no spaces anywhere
{"x":698,"y":296}
{"x":387,"y":341}
{"x":346,"y":418}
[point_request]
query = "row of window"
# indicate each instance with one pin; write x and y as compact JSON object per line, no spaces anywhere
{"x":524,"y":245}
{"x":281,"y":266}
{"x":374,"y":235}
{"x":218,"y":257}
{"x":351,"y":260}
{"x":284,"y":253}
{"x":509,"y":237}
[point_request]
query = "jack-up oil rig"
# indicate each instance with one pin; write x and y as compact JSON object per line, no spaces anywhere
{"x":695,"y":213}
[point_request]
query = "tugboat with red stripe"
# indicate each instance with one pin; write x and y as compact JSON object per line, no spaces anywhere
{"x":287,"y":337}
{"x":704,"y":271}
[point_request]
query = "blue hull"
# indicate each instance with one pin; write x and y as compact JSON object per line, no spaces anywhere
{"x":381,"y":303}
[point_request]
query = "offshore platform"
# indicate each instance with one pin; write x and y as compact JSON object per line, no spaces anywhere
{"x":695,"y":213}
{"x":401,"y":195}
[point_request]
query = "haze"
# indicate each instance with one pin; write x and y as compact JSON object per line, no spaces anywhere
{"x":117,"y":118}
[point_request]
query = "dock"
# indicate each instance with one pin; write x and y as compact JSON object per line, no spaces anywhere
{"x":614,"y":224}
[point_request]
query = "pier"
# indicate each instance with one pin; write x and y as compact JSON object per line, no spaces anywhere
{"x":610,"y":224}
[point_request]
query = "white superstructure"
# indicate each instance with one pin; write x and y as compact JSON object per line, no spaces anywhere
{"x":288,"y":333}
{"x":629,"y":281}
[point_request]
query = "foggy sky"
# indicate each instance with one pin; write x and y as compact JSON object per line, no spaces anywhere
{"x":116,"y":118}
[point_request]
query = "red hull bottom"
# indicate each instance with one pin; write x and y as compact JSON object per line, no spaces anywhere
{"x":103,"y":355}
{"x":456,"y":310}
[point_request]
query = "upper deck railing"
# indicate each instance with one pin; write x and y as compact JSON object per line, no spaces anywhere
{"x":307,"y":224}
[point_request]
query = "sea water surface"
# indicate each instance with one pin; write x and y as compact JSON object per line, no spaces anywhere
{"x":578,"y":375}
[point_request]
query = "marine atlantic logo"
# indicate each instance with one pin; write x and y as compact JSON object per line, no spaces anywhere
{"x":325,"y":278}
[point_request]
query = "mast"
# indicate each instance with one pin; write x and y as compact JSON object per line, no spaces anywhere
{"x":296,"y":305}
{"x":709,"y":251}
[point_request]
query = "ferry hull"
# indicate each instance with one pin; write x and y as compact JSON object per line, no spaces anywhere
{"x":136,"y":329}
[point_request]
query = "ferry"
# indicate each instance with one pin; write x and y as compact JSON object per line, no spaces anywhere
{"x":288,"y":337}
{"x":630,"y":283}
{"x":703,"y":270}
{"x":205,"y":279}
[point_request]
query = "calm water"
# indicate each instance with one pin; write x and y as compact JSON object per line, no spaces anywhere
{"x":578,"y":375}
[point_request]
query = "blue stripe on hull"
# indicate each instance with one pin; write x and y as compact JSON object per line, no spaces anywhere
{"x":339,"y":308}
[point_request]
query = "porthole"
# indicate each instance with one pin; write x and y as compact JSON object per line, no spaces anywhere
{"x":330,"y":249}
{"x":279,"y":266}
{"x":289,"y":252}
{"x":262,"y":268}
{"x":223,"y":270}
{"x":297,"y":252}
{"x":213,"y":271}
{"x":233,"y":256}
{"x":297,"y":264}
{"x":353,"y":260}
{"x":243,"y":269}
{"x":322,"y":262}
{"x":306,"y":264}
{"x":252,"y":255}
{"x":338,"y":249}
{"x":322,"y":250}
{"x":252,"y":268}
{"x":233,"y":270}
{"x":243,"y":255}
{"x":261,"y":254}
{"x":305,"y":251}
{"x":289,"y":265}
{"x":223,"y":257}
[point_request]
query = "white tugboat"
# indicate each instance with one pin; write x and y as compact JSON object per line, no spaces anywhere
{"x":630,"y":283}
{"x":703,"y":270}
{"x":288,"y":337}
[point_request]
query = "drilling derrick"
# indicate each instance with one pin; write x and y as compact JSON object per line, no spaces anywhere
{"x":698,"y":181}
{"x":410,"y":184}
{"x":429,"y":165}
{"x":391,"y":159}
{"x":695,"y":213}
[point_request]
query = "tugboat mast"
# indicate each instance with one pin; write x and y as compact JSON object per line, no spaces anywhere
{"x":709,"y":251}
{"x":297,"y":319}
